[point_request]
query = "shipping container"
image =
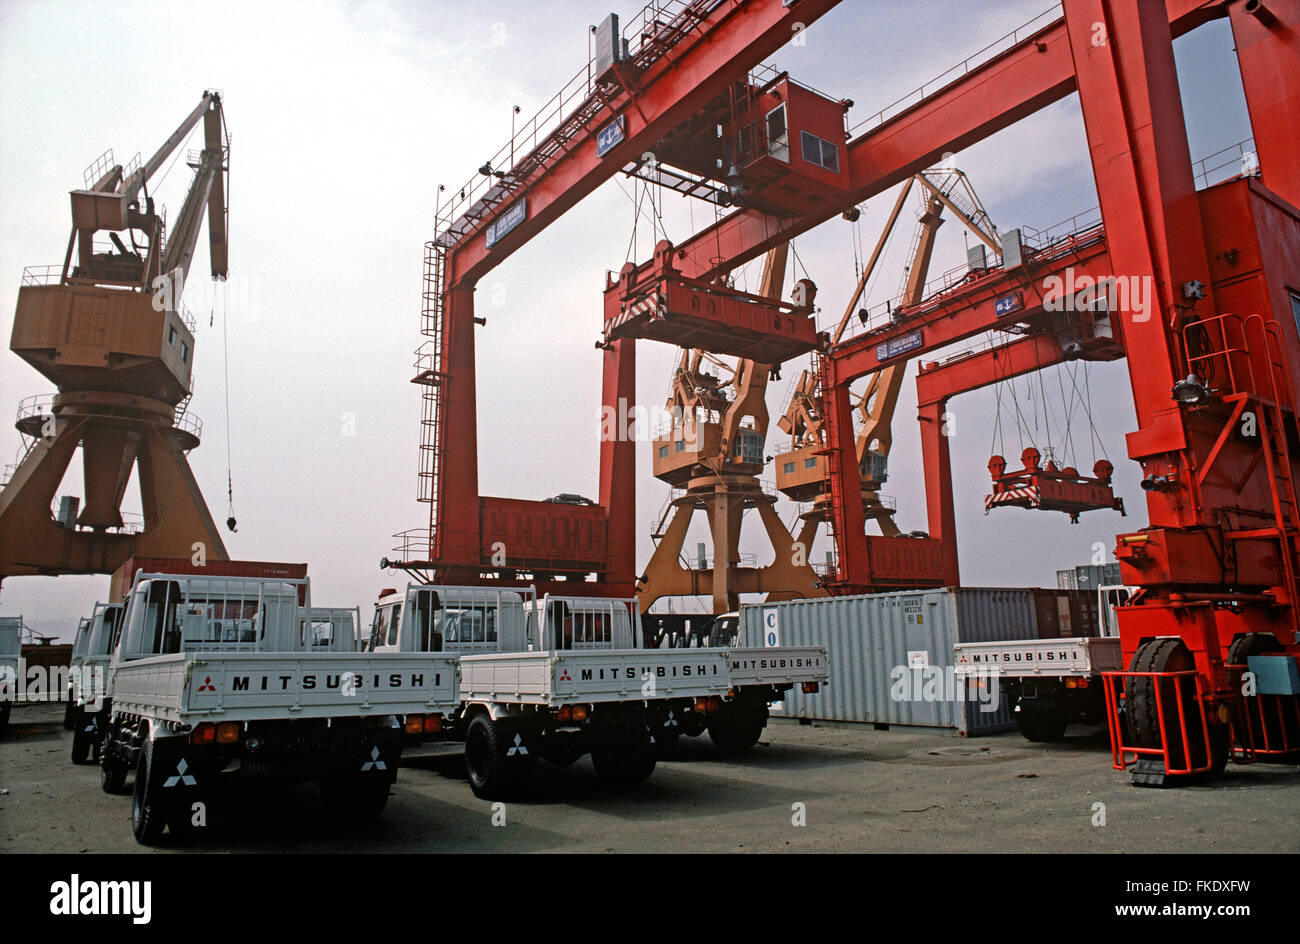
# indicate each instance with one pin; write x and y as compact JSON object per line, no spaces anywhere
{"x":545,"y":535}
{"x":891,"y":654}
{"x":1088,"y":577}
{"x":124,"y":576}
{"x":1063,"y":614}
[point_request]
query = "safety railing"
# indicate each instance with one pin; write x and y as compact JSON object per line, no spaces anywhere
{"x":649,"y":33}
{"x":1175,"y":763}
{"x":1236,"y":160}
{"x":43,"y":275}
{"x":1270,"y":724}
{"x":976,"y":59}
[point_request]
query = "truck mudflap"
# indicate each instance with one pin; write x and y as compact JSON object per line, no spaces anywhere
{"x":277,"y":755}
{"x":777,"y":666}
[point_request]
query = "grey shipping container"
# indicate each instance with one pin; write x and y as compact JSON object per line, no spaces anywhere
{"x":1088,"y":577}
{"x":891,"y":654}
{"x":1065,"y":613}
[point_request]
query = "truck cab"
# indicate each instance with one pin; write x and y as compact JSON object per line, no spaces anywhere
{"x":88,"y":689}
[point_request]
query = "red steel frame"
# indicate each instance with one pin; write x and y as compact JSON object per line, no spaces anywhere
{"x":729,"y":41}
{"x":1158,"y":229}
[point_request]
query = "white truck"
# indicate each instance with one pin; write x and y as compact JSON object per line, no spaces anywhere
{"x":560,"y":677}
{"x":88,"y":700}
{"x":213,"y":684}
{"x":1052,"y":682}
{"x":11,"y":648}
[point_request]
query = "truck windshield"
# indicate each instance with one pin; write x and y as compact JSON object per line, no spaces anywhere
{"x":467,"y":627}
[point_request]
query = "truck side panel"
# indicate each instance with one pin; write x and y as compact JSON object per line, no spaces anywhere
{"x":238,"y":686}
{"x":763,"y":666}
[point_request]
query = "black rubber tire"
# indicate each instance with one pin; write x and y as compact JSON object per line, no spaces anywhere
{"x":1171,"y":655}
{"x":1042,"y":725}
{"x":5,"y":707}
{"x":148,"y":812}
{"x":69,"y":713}
{"x":734,"y":732}
{"x":83,"y":741}
{"x":623,"y":768}
{"x":1258,"y":644}
{"x":353,"y":798}
{"x":494,"y":772}
{"x":112,"y":772}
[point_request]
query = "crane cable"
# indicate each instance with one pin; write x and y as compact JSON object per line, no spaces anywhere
{"x":225,"y":358}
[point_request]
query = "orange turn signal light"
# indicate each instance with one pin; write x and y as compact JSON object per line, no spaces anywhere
{"x":579,"y":712}
{"x":414,"y":724}
{"x":228,"y":732}
{"x":811,"y":688}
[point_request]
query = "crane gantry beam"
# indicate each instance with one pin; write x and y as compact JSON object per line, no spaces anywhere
{"x":1030,"y":75}
{"x":687,"y":62}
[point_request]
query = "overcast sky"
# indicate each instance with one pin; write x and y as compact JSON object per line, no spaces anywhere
{"x":346,"y":116}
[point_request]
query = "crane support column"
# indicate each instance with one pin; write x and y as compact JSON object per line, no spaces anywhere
{"x":457,"y":534}
{"x":618,"y":466}
{"x":1268,"y":53}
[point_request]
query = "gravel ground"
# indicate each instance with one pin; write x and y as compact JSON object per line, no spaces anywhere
{"x":861,"y":790}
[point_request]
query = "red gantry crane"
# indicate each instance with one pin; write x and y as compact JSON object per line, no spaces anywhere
{"x":1211,"y":636}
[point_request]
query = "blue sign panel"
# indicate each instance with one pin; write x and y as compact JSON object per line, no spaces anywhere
{"x":608,"y":137}
{"x":507,"y":221}
{"x":900,"y":345}
{"x":1007,"y":304}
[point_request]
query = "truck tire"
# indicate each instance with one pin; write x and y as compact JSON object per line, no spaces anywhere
{"x":497,"y":758}
{"x":1171,"y":655}
{"x":1277,"y":729}
{"x":623,"y":768}
{"x":1041,"y":721}
{"x":112,"y":769}
{"x":148,"y":813}
{"x":69,"y":714}
{"x":82,"y":739}
{"x":734,"y":732}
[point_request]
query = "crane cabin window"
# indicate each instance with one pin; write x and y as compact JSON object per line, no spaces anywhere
{"x":819,"y":151}
{"x":778,"y":137}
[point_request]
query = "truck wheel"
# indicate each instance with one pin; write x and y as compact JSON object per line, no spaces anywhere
{"x":83,"y":739}
{"x":350,"y":798}
{"x":69,"y":714}
{"x":147,"y":814}
{"x":112,"y":770}
{"x":497,"y":759}
{"x":625,"y":768}
{"x":736,"y":732}
{"x":1043,"y":719}
{"x":1277,"y":730}
{"x":1170,"y":655}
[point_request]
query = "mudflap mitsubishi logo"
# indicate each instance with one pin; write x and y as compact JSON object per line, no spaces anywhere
{"x":374,"y":763}
{"x":182,"y":777}
{"x":671,"y":720}
{"x":207,"y":685}
{"x":517,"y":748}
